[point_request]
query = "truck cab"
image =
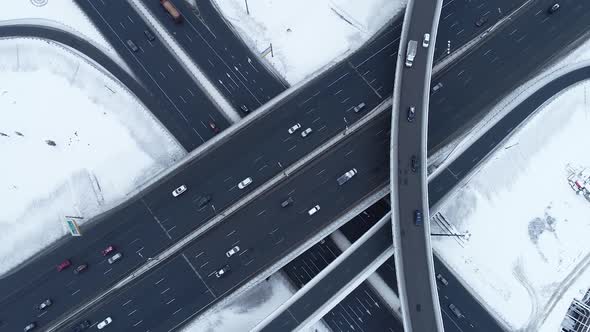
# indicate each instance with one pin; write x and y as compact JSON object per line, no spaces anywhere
{"x":411,"y":53}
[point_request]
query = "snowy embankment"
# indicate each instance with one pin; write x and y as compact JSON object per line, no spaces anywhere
{"x":73,"y":142}
{"x":249,"y":308}
{"x":527,"y":253}
{"x":307,"y":35}
{"x":63,"y":14}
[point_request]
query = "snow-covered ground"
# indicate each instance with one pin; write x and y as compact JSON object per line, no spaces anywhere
{"x":106,"y":144}
{"x":307,"y":35}
{"x":64,"y":14}
{"x":528,"y":252}
{"x":249,"y":308}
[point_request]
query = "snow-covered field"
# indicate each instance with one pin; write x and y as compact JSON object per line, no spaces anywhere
{"x":249,"y":308}
{"x":106,"y":144}
{"x":528,"y":250}
{"x":306,"y":35}
{"x":64,"y":14}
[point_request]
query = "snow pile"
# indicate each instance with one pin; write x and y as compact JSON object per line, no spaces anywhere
{"x":249,"y":308}
{"x":528,"y":229}
{"x":73,"y":142}
{"x":306,"y":35}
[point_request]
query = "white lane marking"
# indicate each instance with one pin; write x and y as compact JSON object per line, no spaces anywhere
{"x":76,"y":292}
{"x":107,"y":271}
{"x":126,"y":303}
{"x":156,"y":219}
{"x":159,"y":281}
{"x":164,"y":291}
{"x":261,"y":212}
{"x":338,"y":79}
{"x":138,"y":323}
{"x":174,"y":313}
{"x":198,"y":275}
{"x":170,"y":301}
{"x":230,"y":233}
{"x":131,"y":313}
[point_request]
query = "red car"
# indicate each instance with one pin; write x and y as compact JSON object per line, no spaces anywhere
{"x":108,"y":250}
{"x":63,"y":265}
{"x":214,"y":127}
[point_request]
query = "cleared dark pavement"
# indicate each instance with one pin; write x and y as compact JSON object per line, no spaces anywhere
{"x":257,"y":234}
{"x":332,"y":283}
{"x":53,"y":257}
{"x":363,"y":308}
{"x":409,"y":196}
{"x":223,"y":57}
{"x":185,"y":109}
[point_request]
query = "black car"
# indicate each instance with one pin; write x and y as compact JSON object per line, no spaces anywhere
{"x":82,"y":326}
{"x":411,"y":114}
{"x":287,"y":202}
{"x":483,"y":20}
{"x":204,"y":200}
{"x":417,"y":217}
{"x":414,"y":163}
{"x":245,"y":109}
{"x":149,"y":35}
{"x":80,"y":268}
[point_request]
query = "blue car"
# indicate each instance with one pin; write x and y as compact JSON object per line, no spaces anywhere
{"x":417,"y":217}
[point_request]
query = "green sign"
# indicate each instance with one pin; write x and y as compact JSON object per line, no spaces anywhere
{"x":73,"y":227}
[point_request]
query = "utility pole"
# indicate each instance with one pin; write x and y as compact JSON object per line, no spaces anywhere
{"x":247,"y":9}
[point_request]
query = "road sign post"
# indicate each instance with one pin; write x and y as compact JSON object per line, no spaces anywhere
{"x":72,"y":227}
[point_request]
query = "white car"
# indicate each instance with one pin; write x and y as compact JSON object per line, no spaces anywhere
{"x":294,"y":128}
{"x":346,"y":176}
{"x":115,"y":258}
{"x":245,"y":183}
{"x":426,"y":40}
{"x":313,"y":210}
{"x":359,"y":107}
{"x":306,"y":132}
{"x":104,"y":323}
{"x":232,"y":251}
{"x":178,"y":191}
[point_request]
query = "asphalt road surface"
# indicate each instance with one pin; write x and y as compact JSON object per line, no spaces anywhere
{"x":80,"y":249}
{"x":186,"y":110}
{"x":333,"y":282}
{"x":420,"y":307}
{"x":363,"y":309}
{"x":224,"y":58}
{"x":262,"y":242}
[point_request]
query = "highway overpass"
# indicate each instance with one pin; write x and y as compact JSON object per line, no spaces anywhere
{"x":48,"y":266}
{"x":408,"y":185}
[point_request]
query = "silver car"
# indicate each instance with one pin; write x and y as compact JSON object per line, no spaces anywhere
{"x":246,"y":182}
{"x":306,"y":132}
{"x":115,"y":258}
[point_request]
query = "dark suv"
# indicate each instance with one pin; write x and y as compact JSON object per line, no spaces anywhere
{"x":417,"y":217}
{"x":82,"y":326}
{"x":414,"y":163}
